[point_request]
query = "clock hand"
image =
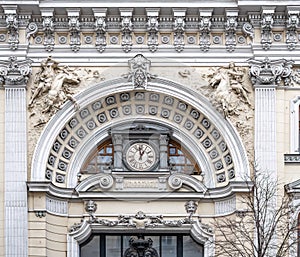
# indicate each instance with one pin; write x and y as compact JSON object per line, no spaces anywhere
{"x":141,"y":152}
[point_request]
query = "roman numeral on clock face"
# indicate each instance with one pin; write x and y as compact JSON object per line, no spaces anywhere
{"x":140,"y":156}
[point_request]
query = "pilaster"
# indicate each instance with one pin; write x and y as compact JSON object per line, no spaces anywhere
{"x":266,"y":75}
{"x":14,"y":76}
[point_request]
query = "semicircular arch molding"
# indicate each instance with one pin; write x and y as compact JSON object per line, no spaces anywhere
{"x":71,"y":135}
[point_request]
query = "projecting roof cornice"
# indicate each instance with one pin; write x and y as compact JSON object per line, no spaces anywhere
{"x":243,"y":5}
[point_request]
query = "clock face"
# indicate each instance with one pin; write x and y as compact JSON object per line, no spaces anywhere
{"x":140,"y":156}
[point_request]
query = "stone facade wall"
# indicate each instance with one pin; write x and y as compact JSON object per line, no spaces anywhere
{"x":233,"y":70}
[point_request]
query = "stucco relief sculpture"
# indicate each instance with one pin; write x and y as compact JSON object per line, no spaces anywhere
{"x":53,"y":85}
{"x":229,"y":88}
{"x":232,"y":96}
{"x":140,"y":220}
{"x":139,"y":72}
{"x":230,"y":91}
{"x":56,"y":83}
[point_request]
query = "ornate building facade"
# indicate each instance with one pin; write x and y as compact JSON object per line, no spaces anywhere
{"x":128,"y":127}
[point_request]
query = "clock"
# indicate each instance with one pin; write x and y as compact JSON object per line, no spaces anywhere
{"x":140,"y":156}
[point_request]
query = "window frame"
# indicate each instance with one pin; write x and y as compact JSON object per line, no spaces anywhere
{"x":294,"y":123}
{"x":179,"y":242}
{"x":108,"y":143}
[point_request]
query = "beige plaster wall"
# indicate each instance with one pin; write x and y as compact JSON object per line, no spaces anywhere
{"x":47,"y":236}
{"x":287,"y":173}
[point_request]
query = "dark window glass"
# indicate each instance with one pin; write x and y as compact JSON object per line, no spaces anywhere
{"x":116,"y":245}
{"x":91,"y":248}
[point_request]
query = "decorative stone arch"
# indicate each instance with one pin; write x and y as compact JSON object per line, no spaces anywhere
{"x":70,"y":135}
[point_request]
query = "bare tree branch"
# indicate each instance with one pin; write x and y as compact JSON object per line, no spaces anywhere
{"x":262,"y":228}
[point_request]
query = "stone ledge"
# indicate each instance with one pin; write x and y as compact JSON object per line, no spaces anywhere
{"x":292,"y":158}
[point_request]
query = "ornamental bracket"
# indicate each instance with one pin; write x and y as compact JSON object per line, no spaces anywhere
{"x":230,"y":28}
{"x":100,"y":28}
{"x":266,"y":26}
{"x":12,"y":25}
{"x":292,"y":24}
{"x":205,"y":28}
{"x":179,"y":28}
{"x":74,"y":28}
{"x":48,"y":29}
{"x":126,"y":28}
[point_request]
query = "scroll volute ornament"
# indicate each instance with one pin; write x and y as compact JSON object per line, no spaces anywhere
{"x":267,"y":72}
{"x":14,"y":72}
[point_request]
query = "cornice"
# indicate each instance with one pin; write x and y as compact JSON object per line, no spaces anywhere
{"x":232,"y":188}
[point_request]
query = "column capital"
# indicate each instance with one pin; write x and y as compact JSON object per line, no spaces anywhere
{"x":15,"y":72}
{"x":270,"y":72}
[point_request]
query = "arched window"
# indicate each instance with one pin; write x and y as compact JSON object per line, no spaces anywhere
{"x":101,"y":159}
{"x":179,"y":159}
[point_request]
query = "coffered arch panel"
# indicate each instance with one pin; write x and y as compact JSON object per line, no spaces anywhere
{"x":70,"y":135}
